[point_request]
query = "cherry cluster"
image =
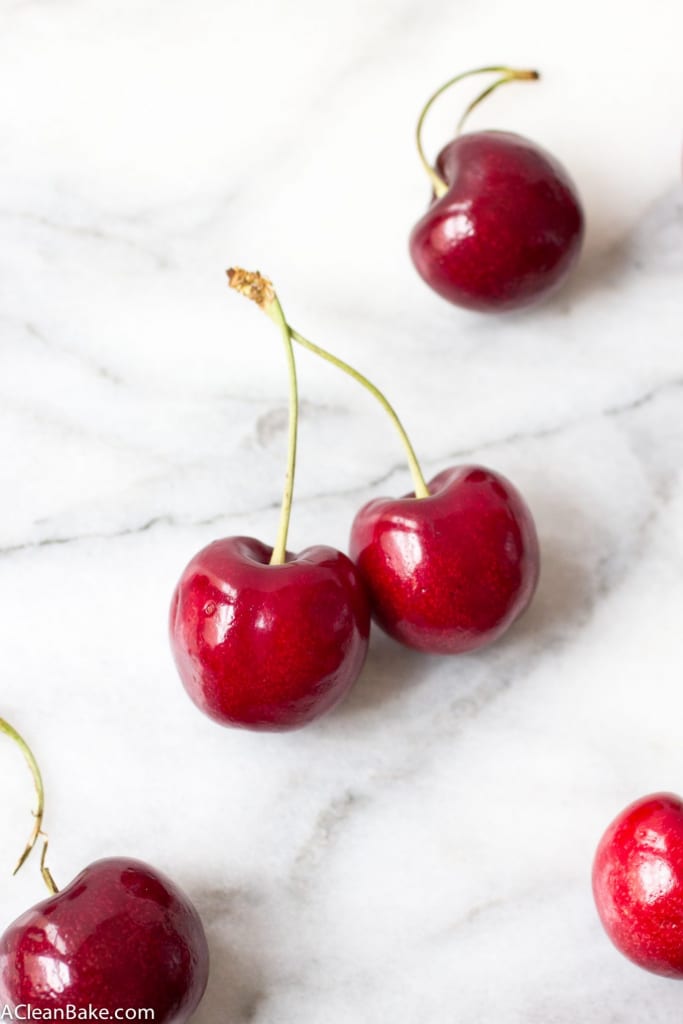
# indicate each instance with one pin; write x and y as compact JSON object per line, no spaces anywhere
{"x":270,"y":640}
{"x":267,"y":639}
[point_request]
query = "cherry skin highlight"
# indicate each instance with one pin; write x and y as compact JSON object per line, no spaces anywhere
{"x":450,"y":572}
{"x":508,"y":230}
{"x":268,"y":647}
{"x":120,"y":936}
{"x":638,"y":883}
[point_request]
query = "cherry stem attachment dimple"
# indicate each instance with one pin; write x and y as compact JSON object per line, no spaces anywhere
{"x":37,"y":831}
{"x":260,"y":290}
{"x":506,"y":75}
{"x":420,"y":486}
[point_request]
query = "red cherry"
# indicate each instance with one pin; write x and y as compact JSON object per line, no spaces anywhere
{"x":508,"y":230}
{"x":450,"y":572}
{"x":120,"y":936}
{"x":506,"y":224}
{"x":268,"y":646}
{"x":263,"y":638}
{"x":638,"y":883}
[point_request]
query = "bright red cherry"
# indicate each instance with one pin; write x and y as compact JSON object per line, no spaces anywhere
{"x":268,"y":646}
{"x":450,"y":572}
{"x":638,"y":883}
{"x":263,"y":638}
{"x":505,"y":226}
{"x":120,"y":936}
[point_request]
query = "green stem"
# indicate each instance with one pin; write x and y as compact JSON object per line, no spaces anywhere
{"x":507,"y":75}
{"x":511,"y":75}
{"x":278,"y":557}
{"x":45,"y":871}
{"x":259,"y":289}
{"x":421,"y":490}
{"x":36,"y":832}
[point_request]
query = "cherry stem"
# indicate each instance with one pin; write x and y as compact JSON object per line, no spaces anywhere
{"x":421,"y":489}
{"x":45,"y":871}
{"x":37,"y":831}
{"x":260,"y":290}
{"x":507,"y":75}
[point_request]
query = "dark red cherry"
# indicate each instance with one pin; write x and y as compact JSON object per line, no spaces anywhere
{"x":450,"y":572}
{"x":638,"y":883}
{"x":268,"y":646}
{"x":120,"y":937}
{"x":508,"y":229}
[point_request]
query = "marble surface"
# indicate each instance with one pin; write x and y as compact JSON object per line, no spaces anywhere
{"x":423,"y":854}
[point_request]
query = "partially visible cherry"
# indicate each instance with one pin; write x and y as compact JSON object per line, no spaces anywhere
{"x":505,"y":226}
{"x":120,"y":937}
{"x":638,"y":883}
{"x":263,"y":638}
{"x":449,"y":568}
{"x":449,"y":572}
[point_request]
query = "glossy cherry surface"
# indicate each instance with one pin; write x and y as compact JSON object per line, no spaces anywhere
{"x":120,"y":936}
{"x":268,"y":646}
{"x":507,"y":231}
{"x":638,"y":883}
{"x":450,"y":572}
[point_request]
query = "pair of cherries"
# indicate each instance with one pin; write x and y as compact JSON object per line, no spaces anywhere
{"x":271,"y":640}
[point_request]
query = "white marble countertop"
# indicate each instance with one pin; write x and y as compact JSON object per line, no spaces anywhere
{"x":422,"y":855}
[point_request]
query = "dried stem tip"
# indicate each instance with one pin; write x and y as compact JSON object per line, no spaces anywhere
{"x":252,"y":285}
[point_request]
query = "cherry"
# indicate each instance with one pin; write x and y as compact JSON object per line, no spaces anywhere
{"x":451,"y":571}
{"x":263,"y":638}
{"x":268,"y":646}
{"x":450,"y":567}
{"x":505,"y":225}
{"x":121,"y":937}
{"x":638,"y":883}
